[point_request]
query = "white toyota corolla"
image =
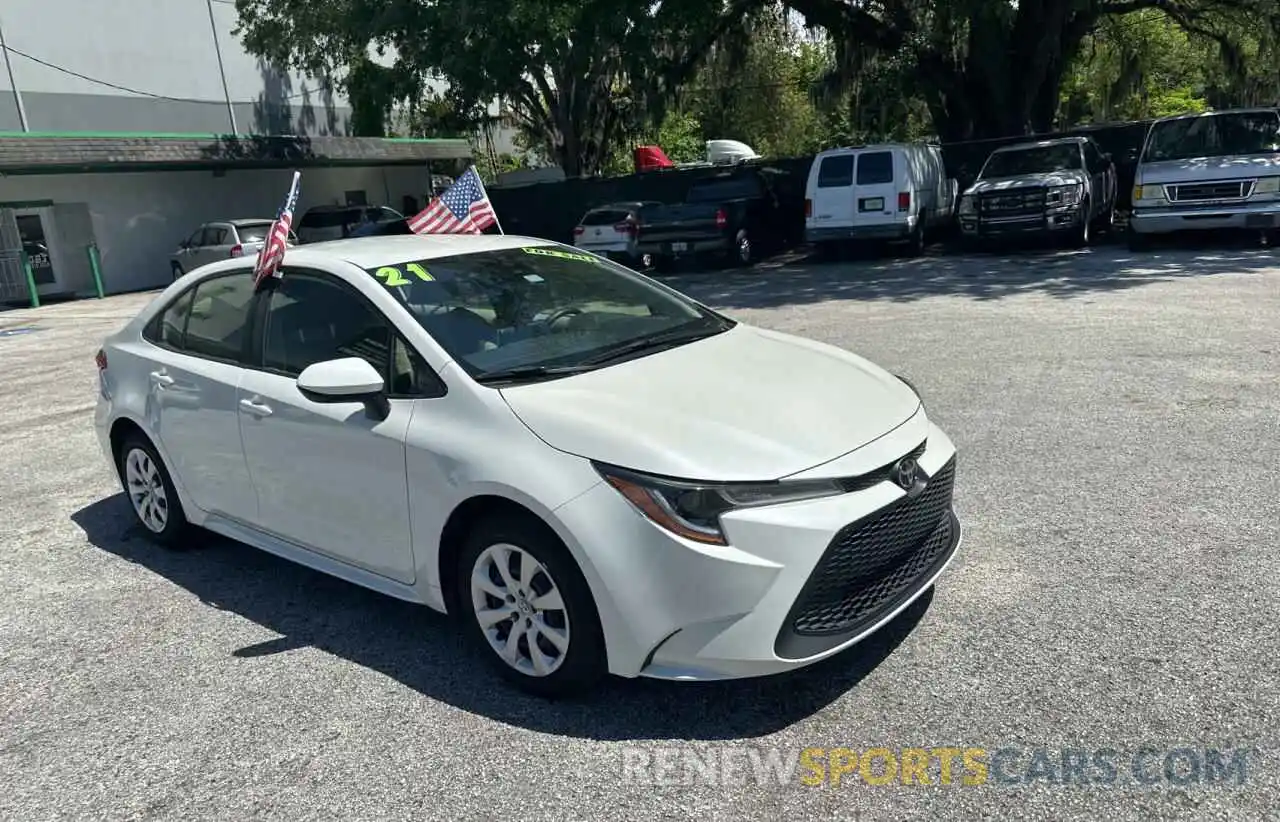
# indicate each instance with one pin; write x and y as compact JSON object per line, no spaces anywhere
{"x":594,"y":472}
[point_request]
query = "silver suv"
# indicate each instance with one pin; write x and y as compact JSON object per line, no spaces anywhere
{"x":1206,"y":172}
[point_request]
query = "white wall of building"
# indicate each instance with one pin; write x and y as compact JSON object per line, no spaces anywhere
{"x":139,"y":219}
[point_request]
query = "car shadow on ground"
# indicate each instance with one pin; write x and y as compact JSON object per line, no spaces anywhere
{"x":423,"y":650}
{"x":799,"y":278}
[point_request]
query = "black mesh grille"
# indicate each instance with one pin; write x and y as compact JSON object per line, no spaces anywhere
{"x":869,"y":567}
{"x":1012,"y":203}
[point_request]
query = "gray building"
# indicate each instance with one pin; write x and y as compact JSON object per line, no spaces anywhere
{"x":125,"y":126}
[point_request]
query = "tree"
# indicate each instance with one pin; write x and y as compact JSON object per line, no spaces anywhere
{"x":574,"y":75}
{"x":988,"y":68}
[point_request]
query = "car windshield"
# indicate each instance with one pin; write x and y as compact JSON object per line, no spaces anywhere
{"x":542,"y":307}
{"x":1038,"y":160}
{"x":1216,"y":135}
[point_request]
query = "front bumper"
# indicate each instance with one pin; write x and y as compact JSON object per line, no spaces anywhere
{"x":1173,"y":218}
{"x":1050,"y":222}
{"x":799,"y":582}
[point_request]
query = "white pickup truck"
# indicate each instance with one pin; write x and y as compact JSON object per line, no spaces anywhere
{"x":1207,"y":172}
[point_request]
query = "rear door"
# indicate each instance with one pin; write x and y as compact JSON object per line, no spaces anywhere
{"x":215,"y":244}
{"x":198,"y":345}
{"x":874,"y":187}
{"x":833,"y":201}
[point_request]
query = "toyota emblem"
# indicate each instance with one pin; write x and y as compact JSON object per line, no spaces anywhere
{"x":906,"y":472}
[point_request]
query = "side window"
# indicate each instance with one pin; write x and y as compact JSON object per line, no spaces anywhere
{"x":169,"y":328}
{"x":195,"y":239}
{"x":313,"y":319}
{"x":836,"y":171}
{"x":219,"y":317}
{"x":410,"y":374}
{"x":214,"y":235}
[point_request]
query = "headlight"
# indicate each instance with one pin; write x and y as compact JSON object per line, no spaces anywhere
{"x":1065,"y":195}
{"x":966,"y":204}
{"x":1148,"y":193}
{"x":1267,"y":185}
{"x":692,"y":510}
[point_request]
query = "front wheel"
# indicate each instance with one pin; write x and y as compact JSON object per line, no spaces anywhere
{"x":176,"y":270}
{"x":1082,"y":235}
{"x":526,"y":604}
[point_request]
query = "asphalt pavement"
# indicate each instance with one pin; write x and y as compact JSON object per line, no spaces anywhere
{"x":1111,"y":613}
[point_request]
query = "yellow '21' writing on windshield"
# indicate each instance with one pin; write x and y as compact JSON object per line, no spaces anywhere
{"x":392,"y":276}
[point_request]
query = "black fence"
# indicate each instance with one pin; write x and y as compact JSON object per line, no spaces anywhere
{"x":551,"y":210}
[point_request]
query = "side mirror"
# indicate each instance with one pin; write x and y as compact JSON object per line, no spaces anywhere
{"x":349,"y":379}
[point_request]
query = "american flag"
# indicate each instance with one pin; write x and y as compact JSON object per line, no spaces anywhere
{"x":272,"y":253}
{"x":464,"y":208}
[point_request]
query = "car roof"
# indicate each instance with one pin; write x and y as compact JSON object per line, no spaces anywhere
{"x":1056,"y":141}
{"x":395,"y":249}
{"x":1192,"y":114}
{"x":243,"y":221}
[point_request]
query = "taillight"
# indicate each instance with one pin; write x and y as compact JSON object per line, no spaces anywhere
{"x":577,"y":231}
{"x":237,"y":250}
{"x":627,"y":227}
{"x":904,"y":200}
{"x":808,"y":208}
{"x":722,"y":219}
{"x":101,"y":359}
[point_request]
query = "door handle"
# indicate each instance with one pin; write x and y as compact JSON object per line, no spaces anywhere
{"x":161,"y":380}
{"x":255,"y":408}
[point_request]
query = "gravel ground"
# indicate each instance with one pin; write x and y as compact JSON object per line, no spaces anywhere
{"x":1118,"y":418}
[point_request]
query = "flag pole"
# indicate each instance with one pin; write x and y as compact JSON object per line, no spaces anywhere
{"x":486,"y":195}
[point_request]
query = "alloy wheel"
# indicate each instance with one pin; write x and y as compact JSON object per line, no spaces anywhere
{"x":520,"y":610}
{"x":146,"y":490}
{"x":744,"y":249}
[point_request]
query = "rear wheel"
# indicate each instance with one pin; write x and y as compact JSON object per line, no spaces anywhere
{"x":915,"y":242}
{"x":743,"y":251}
{"x":150,"y":490}
{"x":527,"y":606}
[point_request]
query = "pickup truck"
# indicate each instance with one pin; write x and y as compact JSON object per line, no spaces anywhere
{"x":1059,"y":188}
{"x":735,"y":214}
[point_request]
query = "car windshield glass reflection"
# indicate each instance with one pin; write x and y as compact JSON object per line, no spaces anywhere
{"x":1220,"y":135}
{"x":1041,"y":160}
{"x":534,"y":313}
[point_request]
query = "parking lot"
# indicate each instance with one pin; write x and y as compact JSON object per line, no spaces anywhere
{"x":1118,"y":420}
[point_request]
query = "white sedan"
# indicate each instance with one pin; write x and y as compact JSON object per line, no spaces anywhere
{"x":593,"y":472}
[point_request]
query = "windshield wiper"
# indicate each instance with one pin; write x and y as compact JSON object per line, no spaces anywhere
{"x":656,"y":342}
{"x":530,"y":372}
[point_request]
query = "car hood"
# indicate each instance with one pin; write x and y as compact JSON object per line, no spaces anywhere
{"x":748,"y":404}
{"x":1049,"y":178}
{"x":1207,"y":168}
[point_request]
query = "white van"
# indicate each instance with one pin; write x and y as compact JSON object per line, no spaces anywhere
{"x":895,"y":192}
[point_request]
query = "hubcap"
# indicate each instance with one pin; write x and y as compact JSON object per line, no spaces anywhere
{"x":146,"y":490}
{"x":520,"y":610}
{"x":744,"y":250}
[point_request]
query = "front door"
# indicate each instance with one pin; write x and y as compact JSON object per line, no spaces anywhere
{"x":329,"y":477}
{"x":193,"y":396}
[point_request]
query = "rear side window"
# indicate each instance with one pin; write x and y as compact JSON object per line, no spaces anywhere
{"x":168,"y":329}
{"x":219,"y":317}
{"x":605,"y":217}
{"x":836,"y":171}
{"x":875,"y":168}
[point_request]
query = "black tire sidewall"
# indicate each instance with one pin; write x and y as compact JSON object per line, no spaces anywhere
{"x":586,"y":662}
{"x":737,"y":248}
{"x":175,"y":526}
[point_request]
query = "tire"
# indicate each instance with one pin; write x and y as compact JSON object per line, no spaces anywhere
{"x":566,"y":670}
{"x":743,"y":253}
{"x":151,"y":493}
{"x":915,"y":243}
{"x":1082,"y":234}
{"x":177,"y":271}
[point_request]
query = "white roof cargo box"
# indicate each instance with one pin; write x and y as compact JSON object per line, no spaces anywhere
{"x":729,"y":151}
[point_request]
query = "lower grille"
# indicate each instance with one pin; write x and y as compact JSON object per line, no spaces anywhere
{"x":871,"y":566}
{"x":1189,"y":193}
